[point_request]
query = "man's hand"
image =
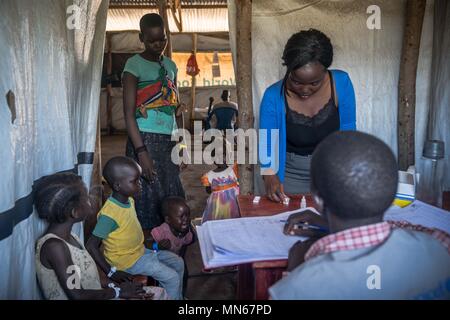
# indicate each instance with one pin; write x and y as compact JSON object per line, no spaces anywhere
{"x":297,"y":253}
{"x":121,"y":276}
{"x":164,"y":244}
{"x":309,"y":217}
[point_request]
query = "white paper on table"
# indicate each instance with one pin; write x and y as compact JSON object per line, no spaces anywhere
{"x":421,"y":213}
{"x":241,"y":240}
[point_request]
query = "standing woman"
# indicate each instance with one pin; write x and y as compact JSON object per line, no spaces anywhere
{"x":306,"y":106}
{"x":151,"y":105}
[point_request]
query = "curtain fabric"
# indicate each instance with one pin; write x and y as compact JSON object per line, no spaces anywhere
{"x":52,"y":53}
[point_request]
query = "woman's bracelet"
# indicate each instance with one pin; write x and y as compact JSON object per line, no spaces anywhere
{"x":116,"y":290}
{"x":111,"y":272}
{"x":140,"y":149}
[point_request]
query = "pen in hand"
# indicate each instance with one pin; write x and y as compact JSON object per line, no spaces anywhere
{"x":306,"y":225}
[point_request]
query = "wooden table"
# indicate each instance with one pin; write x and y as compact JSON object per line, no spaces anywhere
{"x":254,"y":279}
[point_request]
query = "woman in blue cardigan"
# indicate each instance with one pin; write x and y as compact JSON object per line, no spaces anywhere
{"x":306,"y":106}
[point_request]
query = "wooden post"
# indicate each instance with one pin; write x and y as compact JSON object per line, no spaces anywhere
{"x":96,"y":189}
{"x":244,"y":83}
{"x":176,"y":9}
{"x":415,"y":10}
{"x":109,"y":85}
{"x":193,"y":81}
{"x":162,"y":8}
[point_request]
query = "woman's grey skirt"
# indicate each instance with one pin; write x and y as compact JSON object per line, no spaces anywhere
{"x":296,"y":175}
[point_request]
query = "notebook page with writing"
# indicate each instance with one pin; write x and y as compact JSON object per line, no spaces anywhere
{"x":421,"y":213}
{"x":234,"y":241}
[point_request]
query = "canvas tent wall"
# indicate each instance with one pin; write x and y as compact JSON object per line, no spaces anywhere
{"x":371,"y":57}
{"x":53,"y":72}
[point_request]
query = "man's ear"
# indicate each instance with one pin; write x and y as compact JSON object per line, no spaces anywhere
{"x":141,"y":37}
{"x":166,"y":219}
{"x":319,"y":202}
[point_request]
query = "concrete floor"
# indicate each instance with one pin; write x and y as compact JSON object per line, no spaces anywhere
{"x":220,"y":285}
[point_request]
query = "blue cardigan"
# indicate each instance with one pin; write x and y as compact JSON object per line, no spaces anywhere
{"x":272,"y":115}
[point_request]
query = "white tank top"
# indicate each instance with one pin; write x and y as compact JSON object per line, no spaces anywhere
{"x":89,"y":277}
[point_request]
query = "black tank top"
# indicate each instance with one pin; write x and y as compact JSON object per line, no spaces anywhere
{"x":304,"y":133}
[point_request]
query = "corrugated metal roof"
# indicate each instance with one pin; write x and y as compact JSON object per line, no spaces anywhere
{"x":194,"y":20}
{"x":153,"y":3}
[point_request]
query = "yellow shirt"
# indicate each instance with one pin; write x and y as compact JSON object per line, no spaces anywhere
{"x":125,"y":245}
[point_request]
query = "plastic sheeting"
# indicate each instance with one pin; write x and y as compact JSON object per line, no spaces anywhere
{"x":371,"y":57}
{"x":439,"y":115}
{"x":54,"y":73}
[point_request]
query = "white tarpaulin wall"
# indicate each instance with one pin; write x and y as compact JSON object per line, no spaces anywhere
{"x":371,"y":57}
{"x":55,"y":74}
{"x":439,"y":118}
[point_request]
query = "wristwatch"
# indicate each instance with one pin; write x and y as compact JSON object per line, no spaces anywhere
{"x":111,"y":272}
{"x":116,"y":289}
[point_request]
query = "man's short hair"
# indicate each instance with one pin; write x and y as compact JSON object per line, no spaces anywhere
{"x":225,"y":95}
{"x":355,"y":174}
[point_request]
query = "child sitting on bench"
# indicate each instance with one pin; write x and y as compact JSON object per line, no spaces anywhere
{"x":65,"y":269}
{"x":119,"y":230}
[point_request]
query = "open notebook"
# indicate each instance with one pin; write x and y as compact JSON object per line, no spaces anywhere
{"x":421,"y":213}
{"x":235,"y":241}
{"x":243,"y":240}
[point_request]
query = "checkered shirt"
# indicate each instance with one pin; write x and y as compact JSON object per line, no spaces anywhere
{"x":350,"y":239}
{"x":368,"y":236}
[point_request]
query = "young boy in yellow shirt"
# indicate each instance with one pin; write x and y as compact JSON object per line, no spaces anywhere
{"x":119,"y":230}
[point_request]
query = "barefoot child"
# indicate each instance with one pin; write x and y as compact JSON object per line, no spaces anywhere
{"x":121,"y":234}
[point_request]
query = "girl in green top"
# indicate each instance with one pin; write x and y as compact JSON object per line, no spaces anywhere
{"x":151,"y":106}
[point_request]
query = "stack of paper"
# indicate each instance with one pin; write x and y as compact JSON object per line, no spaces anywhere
{"x":235,"y":241}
